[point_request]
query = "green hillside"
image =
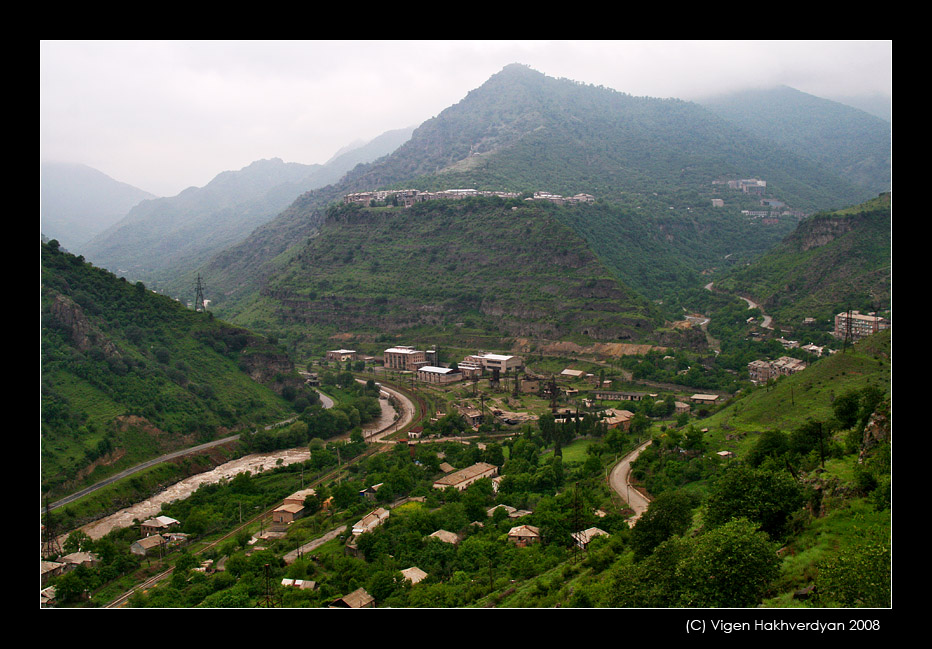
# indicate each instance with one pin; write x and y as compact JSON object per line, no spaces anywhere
{"x":522,"y":131}
{"x":831,"y":262}
{"x":484,"y":264}
{"x":810,"y":394}
{"x":127,"y":374}
{"x":852,"y":143}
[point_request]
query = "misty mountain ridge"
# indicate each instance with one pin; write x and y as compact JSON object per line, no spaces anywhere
{"x":77,"y":202}
{"x":166,"y":237}
{"x":523,"y":131}
{"x":850,"y":142}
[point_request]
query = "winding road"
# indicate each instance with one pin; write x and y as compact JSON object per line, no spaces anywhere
{"x":620,"y":481}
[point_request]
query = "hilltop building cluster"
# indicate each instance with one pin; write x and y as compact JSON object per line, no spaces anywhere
{"x":757,"y":187}
{"x":408,"y":197}
{"x":762,"y":371}
{"x":425,"y":364}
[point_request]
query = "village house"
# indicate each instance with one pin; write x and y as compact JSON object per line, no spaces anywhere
{"x":359,"y":598}
{"x":705,"y":399}
{"x":370,"y":521}
{"x":408,"y":197}
{"x":446,"y":537}
{"x":301,"y":584}
{"x":584,"y":538}
{"x":618,"y":419}
{"x":413,"y":574}
{"x":370,"y":492}
{"x":298,"y":497}
{"x":157,"y":525}
{"x":75,"y":559}
{"x":367,"y":523}
{"x":760,"y":371}
{"x":465,"y":477}
{"x":148,"y":544}
{"x":523,"y":535}
{"x":813,"y":349}
{"x":285,"y":515}
{"x":612,"y":395}
{"x":49,"y":569}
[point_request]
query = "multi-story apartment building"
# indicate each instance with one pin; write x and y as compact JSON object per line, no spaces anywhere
{"x":760,"y":371}
{"x":858,"y":325}
{"x":763,"y":371}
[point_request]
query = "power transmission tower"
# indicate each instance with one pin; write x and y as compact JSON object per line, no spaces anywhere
{"x":844,"y":346}
{"x":199,"y":295}
{"x":50,"y":546}
{"x":269,"y":599}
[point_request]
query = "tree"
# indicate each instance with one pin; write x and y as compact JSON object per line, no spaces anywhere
{"x":767,"y":498}
{"x":859,"y":573}
{"x":730,"y":566}
{"x":670,"y":514}
{"x":78,"y":540}
{"x":771,"y":443}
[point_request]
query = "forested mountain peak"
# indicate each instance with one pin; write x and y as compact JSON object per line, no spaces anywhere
{"x":522,"y":131}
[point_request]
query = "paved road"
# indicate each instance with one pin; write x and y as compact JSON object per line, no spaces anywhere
{"x":325,"y":400}
{"x":139,"y":467}
{"x":620,"y":482}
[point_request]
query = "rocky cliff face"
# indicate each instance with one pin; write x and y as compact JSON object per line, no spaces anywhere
{"x":876,"y":432}
{"x":68,"y":315}
{"x":268,"y":368}
{"x":823,"y":231}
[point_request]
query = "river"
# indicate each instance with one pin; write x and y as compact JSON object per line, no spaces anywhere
{"x":255,"y":463}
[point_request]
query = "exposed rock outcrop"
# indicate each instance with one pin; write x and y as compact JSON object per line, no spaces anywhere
{"x":84,"y":335}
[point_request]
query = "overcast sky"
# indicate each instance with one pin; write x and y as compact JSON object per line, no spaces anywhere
{"x":167,"y":115}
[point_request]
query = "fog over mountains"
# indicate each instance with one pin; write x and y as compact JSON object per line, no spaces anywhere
{"x":77,"y":202}
{"x":144,"y":235}
{"x":521,"y":131}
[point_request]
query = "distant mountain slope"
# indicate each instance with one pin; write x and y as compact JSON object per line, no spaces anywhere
{"x":162,"y":241}
{"x":127,"y":374}
{"x":523,"y":131}
{"x":852,"y":143}
{"x":831,"y":262}
{"x":473,"y":263}
{"x":78,"y":202}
